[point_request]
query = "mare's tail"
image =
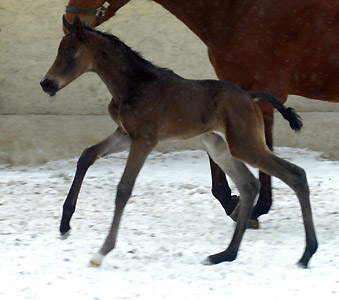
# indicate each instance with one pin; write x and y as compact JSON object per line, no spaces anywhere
{"x":288,"y":113}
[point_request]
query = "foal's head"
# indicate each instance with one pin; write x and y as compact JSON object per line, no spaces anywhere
{"x":73,"y":59}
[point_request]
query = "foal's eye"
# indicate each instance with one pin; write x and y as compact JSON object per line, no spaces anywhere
{"x":70,"y":53}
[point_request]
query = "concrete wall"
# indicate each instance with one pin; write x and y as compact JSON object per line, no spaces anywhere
{"x":35,"y":128}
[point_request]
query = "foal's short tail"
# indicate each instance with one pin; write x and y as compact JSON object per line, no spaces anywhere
{"x":288,"y":113}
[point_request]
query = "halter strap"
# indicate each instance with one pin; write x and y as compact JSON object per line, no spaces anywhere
{"x":99,"y":12}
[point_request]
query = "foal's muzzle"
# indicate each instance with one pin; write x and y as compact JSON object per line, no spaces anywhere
{"x":49,"y":86}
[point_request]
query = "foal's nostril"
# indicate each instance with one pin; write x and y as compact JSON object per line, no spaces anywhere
{"x":49,"y":86}
{"x":45,"y":83}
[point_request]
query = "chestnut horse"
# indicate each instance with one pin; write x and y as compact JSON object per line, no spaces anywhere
{"x":150,"y":104}
{"x":285,"y":47}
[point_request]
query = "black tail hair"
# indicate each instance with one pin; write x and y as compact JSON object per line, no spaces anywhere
{"x":288,"y":113}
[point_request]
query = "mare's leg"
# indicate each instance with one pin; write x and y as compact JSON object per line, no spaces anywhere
{"x":221,"y":190}
{"x":137,"y":156}
{"x":248,"y":188}
{"x":116,"y":142}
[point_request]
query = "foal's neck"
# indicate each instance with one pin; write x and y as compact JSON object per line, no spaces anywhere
{"x":117,"y":65}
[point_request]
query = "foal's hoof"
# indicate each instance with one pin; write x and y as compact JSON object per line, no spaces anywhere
{"x":96,"y":260}
{"x":207,"y":262}
{"x":219,"y":258}
{"x":65,"y":235}
{"x":302,"y":265}
{"x":64,"y":229}
{"x":94,"y":264}
{"x":251,"y":223}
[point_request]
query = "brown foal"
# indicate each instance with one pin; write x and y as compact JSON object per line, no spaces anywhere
{"x":150,"y":104}
{"x":284,"y":47}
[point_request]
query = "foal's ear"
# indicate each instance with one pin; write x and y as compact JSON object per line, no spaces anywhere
{"x":79,"y":29}
{"x":67,"y":26}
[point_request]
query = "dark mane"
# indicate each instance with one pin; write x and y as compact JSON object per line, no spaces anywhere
{"x":134,"y":56}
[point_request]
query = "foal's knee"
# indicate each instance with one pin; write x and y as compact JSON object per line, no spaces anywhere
{"x":298,"y":179}
{"x":87,"y":158}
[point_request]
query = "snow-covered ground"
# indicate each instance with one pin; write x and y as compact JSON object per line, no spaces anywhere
{"x":171,"y":223}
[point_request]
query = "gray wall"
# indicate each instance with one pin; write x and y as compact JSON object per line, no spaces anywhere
{"x":35,"y":128}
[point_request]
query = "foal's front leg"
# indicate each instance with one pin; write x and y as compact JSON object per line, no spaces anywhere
{"x":116,"y":142}
{"x":137,"y":156}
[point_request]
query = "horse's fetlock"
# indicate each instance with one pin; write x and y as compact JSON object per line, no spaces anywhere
{"x":68,"y":210}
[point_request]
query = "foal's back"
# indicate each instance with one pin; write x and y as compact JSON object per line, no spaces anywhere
{"x":183,"y":108}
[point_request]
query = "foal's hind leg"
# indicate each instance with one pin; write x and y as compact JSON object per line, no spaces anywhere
{"x":248,"y":188}
{"x":264,"y":202}
{"x":295,"y":177}
{"x":116,"y":142}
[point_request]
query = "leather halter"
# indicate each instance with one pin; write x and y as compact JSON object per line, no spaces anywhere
{"x":98,"y":12}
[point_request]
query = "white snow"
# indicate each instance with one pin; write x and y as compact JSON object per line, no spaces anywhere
{"x":171,"y":223}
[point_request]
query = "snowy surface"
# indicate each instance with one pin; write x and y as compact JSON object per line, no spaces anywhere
{"x":170,"y":224}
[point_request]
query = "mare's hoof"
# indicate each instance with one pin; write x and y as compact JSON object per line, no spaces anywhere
{"x":235,"y":212}
{"x":252,"y":223}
